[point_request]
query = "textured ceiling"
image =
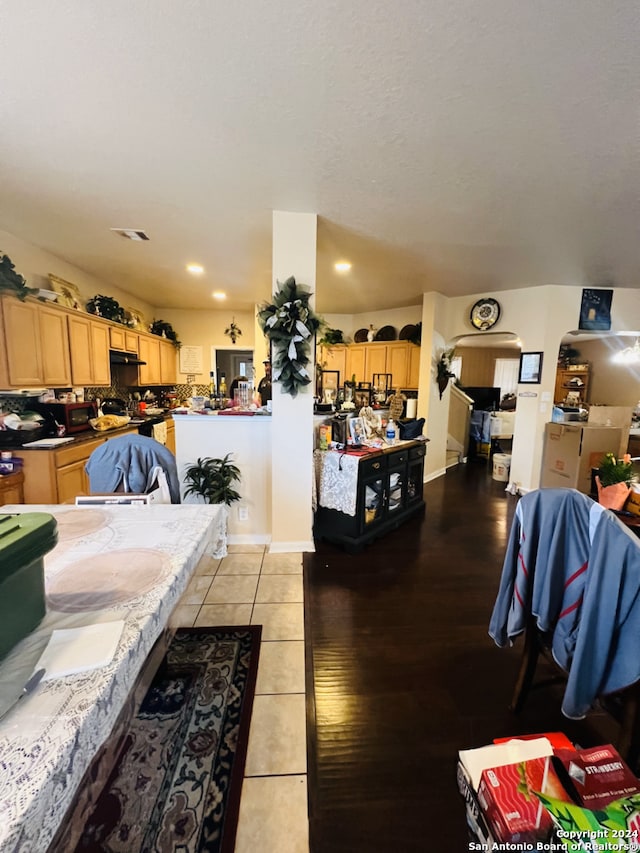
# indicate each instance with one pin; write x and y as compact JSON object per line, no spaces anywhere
{"x":446,"y":145}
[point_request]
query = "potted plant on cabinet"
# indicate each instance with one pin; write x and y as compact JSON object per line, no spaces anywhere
{"x":11,"y":281}
{"x":613,"y":481}
{"x":212,"y":479}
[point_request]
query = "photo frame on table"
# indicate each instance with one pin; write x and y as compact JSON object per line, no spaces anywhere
{"x":329,"y":385}
{"x":356,"y":428}
{"x":362,"y":397}
{"x":595,"y":309}
{"x":530,"y":372}
{"x":68,"y":293}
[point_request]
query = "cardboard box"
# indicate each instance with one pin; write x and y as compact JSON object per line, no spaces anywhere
{"x":614,"y":416}
{"x":595,"y":777}
{"x":507,"y":797}
{"x":572,"y":450}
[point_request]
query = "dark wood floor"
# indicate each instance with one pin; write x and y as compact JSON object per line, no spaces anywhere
{"x":401,"y":673}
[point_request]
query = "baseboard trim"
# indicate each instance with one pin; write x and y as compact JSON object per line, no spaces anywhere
{"x":248,"y":539}
{"x":291,"y":547}
{"x":434,"y":476}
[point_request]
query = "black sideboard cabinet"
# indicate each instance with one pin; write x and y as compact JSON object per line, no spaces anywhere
{"x":389,"y":491}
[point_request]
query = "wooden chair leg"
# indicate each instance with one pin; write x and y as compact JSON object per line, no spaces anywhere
{"x":629,"y":736}
{"x":527,"y":670}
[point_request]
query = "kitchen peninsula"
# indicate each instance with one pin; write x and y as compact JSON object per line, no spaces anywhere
{"x":247,"y":436}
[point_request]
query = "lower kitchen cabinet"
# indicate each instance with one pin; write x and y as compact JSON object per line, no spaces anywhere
{"x":389,"y":491}
{"x":58,"y":476}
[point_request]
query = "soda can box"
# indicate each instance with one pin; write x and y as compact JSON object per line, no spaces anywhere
{"x":508,"y":798}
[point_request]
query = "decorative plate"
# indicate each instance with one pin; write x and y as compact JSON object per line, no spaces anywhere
{"x":407,"y":332}
{"x":485,"y":314}
{"x":360,"y":336}
{"x":68,"y":293}
{"x":386,"y":333}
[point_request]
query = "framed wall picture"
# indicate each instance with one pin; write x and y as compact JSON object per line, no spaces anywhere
{"x":595,"y":309}
{"x":530,"y":368}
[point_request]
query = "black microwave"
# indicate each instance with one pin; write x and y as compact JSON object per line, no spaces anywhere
{"x":74,"y":417}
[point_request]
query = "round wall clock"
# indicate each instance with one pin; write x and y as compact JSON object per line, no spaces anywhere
{"x":485,"y":314}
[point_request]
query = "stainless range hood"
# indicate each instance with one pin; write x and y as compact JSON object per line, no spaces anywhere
{"x":117,"y":357}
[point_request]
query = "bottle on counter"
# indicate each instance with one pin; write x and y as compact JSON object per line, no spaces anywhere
{"x":391,"y":432}
{"x":10,"y":464}
{"x":223,"y":385}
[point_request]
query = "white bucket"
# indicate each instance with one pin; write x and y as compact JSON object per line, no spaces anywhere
{"x":501,"y":466}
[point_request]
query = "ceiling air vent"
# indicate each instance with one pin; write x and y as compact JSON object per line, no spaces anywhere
{"x":131,"y":233}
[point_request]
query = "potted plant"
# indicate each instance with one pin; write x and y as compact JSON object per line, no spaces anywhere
{"x":107,"y":307}
{"x":13,"y":282}
{"x":165,"y":330}
{"x":613,"y":481}
{"x":213,"y":480}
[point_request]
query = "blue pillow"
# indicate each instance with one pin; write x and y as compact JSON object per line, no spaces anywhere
{"x":412,"y":429}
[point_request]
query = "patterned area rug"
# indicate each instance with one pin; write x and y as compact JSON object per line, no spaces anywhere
{"x":176,"y":787}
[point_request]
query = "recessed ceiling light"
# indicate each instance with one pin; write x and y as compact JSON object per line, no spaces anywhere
{"x":219,"y":294}
{"x":343,"y":266}
{"x":195,"y":269}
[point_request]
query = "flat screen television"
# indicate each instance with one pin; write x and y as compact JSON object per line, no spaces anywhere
{"x":484,"y":399}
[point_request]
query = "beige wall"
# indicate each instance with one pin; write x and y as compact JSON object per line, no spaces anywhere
{"x":206,"y":329}
{"x":35,"y":265}
{"x":396,"y":317}
{"x":611,"y":384}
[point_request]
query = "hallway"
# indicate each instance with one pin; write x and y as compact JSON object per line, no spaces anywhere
{"x":401,"y":673}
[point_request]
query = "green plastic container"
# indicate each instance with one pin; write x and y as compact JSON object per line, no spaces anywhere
{"x":24,"y":540}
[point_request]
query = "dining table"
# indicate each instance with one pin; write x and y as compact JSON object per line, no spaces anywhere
{"x":115,"y":569}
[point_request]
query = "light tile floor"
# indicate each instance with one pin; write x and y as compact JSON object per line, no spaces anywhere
{"x":250,"y":587}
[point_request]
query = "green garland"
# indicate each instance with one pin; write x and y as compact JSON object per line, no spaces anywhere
{"x":290,"y":324}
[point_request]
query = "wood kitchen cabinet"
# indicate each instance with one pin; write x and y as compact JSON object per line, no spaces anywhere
{"x":334,"y":358}
{"x":171,"y":435}
{"x":89,"y":348}
{"x":399,"y":358}
{"x":123,"y":340}
{"x":168,"y":366}
{"x":149,"y":351}
{"x":57,"y":476}
{"x":36,"y":345}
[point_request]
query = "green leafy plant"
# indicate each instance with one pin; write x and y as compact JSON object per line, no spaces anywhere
{"x":105,"y":306}
{"x":614,"y":470}
{"x":213,"y":480}
{"x":13,"y":282}
{"x":165,"y":330}
{"x":290,"y":323}
{"x":331,"y":337}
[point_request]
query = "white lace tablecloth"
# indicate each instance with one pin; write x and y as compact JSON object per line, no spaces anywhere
{"x":49,"y":739}
{"x":336,"y":480}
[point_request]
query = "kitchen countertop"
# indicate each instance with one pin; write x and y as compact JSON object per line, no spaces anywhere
{"x":88,"y":435}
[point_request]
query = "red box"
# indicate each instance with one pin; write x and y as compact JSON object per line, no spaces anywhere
{"x":597,"y":776}
{"x":506,"y":795}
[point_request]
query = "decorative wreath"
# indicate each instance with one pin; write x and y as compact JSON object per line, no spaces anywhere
{"x":290,"y":324}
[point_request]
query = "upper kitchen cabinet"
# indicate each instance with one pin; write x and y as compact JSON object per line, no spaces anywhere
{"x":168,"y":365}
{"x":399,"y":358}
{"x":160,"y":357}
{"x":149,"y":352}
{"x":89,"y":347}
{"x":36,"y":345}
{"x":123,"y":340}
{"x":334,"y":358}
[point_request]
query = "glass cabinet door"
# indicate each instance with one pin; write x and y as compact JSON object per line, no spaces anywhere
{"x":373,"y":507}
{"x":396,"y":489}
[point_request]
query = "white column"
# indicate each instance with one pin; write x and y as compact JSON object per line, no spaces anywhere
{"x":294,"y":254}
